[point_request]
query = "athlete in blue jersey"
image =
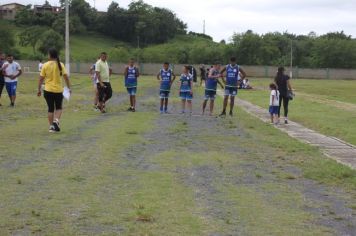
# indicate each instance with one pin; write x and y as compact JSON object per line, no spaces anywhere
{"x":166,"y":78}
{"x":231,"y":84}
{"x":211,"y":85}
{"x":186,"y":89}
{"x":131,"y":75}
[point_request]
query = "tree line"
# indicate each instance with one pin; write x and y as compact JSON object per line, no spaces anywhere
{"x":156,"y":34}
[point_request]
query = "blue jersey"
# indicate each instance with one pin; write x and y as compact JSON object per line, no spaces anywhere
{"x":131,"y":78}
{"x":166,"y":77}
{"x":232,"y":75}
{"x":212,"y":83}
{"x":186,"y":83}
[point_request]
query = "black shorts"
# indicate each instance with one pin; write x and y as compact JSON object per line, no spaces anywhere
{"x":105,"y":93}
{"x":210,"y":95}
{"x":54,"y":101}
{"x":163,"y":94}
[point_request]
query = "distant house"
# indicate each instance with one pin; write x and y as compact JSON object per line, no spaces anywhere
{"x":8,"y":11}
{"x":46,"y":8}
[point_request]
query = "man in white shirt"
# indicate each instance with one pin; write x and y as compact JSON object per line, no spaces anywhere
{"x":40,"y":65}
{"x":11,"y":71}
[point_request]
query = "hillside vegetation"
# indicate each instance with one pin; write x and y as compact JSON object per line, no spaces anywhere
{"x":153,"y":34}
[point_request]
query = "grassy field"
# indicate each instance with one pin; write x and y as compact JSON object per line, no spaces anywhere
{"x":148,"y":174}
{"x":327,"y":106}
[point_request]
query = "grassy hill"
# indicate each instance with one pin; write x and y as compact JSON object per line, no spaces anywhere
{"x":87,"y":46}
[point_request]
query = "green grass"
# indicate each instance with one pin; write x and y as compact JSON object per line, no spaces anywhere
{"x":317,"y":105}
{"x":90,"y":180}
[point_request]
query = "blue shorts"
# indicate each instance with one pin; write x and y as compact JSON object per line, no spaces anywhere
{"x":132,"y":91}
{"x":231,"y":91}
{"x":210,"y":94}
{"x":11,"y":88}
{"x":164,"y":94}
{"x":273,"y":110}
{"x":186,"y":96}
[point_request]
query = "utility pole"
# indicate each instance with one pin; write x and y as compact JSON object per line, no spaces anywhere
{"x":67,"y":62}
{"x":204,"y":27}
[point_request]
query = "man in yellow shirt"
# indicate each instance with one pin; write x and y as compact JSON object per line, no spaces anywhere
{"x":52,"y":73}
{"x":103,"y":73}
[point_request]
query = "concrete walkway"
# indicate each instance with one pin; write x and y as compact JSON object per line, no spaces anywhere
{"x":334,"y":148}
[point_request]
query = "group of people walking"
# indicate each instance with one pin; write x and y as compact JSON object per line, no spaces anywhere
{"x":227,"y":78}
{"x":53,"y":72}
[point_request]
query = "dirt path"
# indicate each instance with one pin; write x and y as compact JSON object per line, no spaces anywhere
{"x":334,"y":148}
{"x":236,"y":180}
{"x":183,"y":133}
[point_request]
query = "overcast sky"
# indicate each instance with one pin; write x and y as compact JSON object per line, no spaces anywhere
{"x":224,"y":17}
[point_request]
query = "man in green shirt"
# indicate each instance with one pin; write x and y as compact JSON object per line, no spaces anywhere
{"x":103,"y":73}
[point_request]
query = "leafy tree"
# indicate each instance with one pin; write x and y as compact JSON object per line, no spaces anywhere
{"x":30,"y":37}
{"x":75,"y":25}
{"x":25,"y":16}
{"x":50,"y":39}
{"x":7,"y":38}
{"x":84,"y":11}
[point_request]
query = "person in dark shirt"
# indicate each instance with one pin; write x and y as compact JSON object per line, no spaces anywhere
{"x":203,"y":74}
{"x":283,"y":82}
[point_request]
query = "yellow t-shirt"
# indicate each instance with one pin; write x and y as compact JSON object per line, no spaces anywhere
{"x":103,"y":68}
{"x":53,"y":80}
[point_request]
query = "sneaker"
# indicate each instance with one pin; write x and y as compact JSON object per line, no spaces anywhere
{"x":130,"y":109}
{"x":133,"y":109}
{"x":166,"y":111}
{"x":231,"y":114}
{"x":286,"y":122}
{"x":96,"y":108}
{"x":56,"y":125}
{"x":52,"y":129}
{"x":223,"y":114}
{"x":182,"y":112}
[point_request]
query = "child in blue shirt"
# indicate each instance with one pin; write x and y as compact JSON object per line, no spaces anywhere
{"x":131,"y":75}
{"x":186,"y":89}
{"x":166,"y":78}
{"x":211,"y":84}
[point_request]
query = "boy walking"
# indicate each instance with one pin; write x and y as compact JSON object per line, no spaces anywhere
{"x":11,"y":71}
{"x":103,"y":73}
{"x":131,"y":75}
{"x":166,"y":77}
